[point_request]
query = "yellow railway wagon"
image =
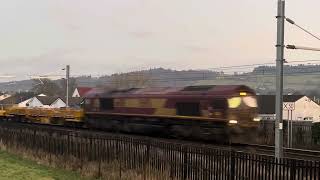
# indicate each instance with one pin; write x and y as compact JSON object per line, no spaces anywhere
{"x":2,"y":113}
{"x":46,"y":115}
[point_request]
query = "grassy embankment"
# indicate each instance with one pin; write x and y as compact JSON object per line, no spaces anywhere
{"x":15,"y":167}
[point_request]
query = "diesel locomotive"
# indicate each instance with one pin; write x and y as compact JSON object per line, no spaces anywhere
{"x":221,"y":112}
{"x":225,"y":113}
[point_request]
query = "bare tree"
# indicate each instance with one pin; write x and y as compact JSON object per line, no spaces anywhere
{"x":130,"y":80}
{"x":72,"y":86}
{"x":46,"y":86}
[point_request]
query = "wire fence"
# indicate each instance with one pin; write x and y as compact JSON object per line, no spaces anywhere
{"x":124,"y":157}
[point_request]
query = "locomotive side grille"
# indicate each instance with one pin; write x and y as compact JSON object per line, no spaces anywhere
{"x":188,"y":109}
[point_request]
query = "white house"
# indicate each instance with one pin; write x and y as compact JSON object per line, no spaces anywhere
{"x":15,"y":100}
{"x":58,"y":103}
{"x":295,"y":107}
{"x":4,"y":96}
{"x":33,"y":102}
{"x":43,"y":102}
{"x":303,"y":109}
{"x":24,"y":103}
{"x":81,"y":91}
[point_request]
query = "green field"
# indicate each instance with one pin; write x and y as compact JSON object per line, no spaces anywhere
{"x":14,"y":167}
{"x":299,"y":83}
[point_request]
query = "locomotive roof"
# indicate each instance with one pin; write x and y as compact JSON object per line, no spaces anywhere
{"x":161,"y":91}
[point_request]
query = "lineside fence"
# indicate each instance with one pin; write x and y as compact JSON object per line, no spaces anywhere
{"x":123,"y":157}
{"x":305,"y":134}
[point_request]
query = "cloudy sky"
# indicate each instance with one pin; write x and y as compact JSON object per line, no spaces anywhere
{"x":107,"y":36}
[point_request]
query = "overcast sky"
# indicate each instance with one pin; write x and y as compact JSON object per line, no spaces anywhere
{"x":107,"y":36}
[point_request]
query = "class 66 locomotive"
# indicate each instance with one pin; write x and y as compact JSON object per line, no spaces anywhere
{"x":223,"y":113}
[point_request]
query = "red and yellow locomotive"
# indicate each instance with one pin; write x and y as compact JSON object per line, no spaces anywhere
{"x":221,"y":112}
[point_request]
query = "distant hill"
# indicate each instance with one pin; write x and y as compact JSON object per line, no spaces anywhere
{"x":287,"y":69}
{"x":304,"y":79}
{"x":152,"y":77}
{"x":15,"y":86}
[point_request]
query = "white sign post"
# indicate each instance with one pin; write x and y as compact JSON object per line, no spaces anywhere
{"x":289,"y":106}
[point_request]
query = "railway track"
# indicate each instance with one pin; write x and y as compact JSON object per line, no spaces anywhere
{"x":293,"y":153}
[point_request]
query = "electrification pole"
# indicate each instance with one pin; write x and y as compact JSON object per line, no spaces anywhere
{"x":279,"y":80}
{"x":67,"y":84}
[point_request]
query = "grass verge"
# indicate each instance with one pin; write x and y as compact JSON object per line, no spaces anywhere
{"x":15,"y":167}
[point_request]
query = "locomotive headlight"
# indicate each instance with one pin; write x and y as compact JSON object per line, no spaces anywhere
{"x":233,"y":121}
{"x":257,"y":119}
{"x":234,"y":102}
{"x":250,"y":101}
{"x":242,"y":93}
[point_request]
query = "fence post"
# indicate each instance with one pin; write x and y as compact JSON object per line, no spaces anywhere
{"x":36,"y":150}
{"x":99,"y":156}
{"x":82,"y":140}
{"x":185,"y":162}
{"x":67,"y":150}
{"x":146,"y":162}
{"x":50,"y":141}
{"x":118,"y":156}
{"x":232,"y":167}
{"x":293,"y":170}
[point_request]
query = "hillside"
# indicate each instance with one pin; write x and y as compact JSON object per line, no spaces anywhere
{"x":152,"y":77}
{"x":297,"y":79}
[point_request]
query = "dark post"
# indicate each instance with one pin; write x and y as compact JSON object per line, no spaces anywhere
{"x":279,"y":80}
{"x":185,"y":162}
{"x":232,"y":170}
{"x":99,"y":156}
{"x":293,"y":170}
{"x":146,"y":162}
{"x":67,"y":85}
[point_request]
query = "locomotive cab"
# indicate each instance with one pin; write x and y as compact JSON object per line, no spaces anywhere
{"x":242,"y":117}
{"x":242,"y":109}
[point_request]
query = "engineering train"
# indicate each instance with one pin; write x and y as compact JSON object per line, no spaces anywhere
{"x":224,"y":113}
